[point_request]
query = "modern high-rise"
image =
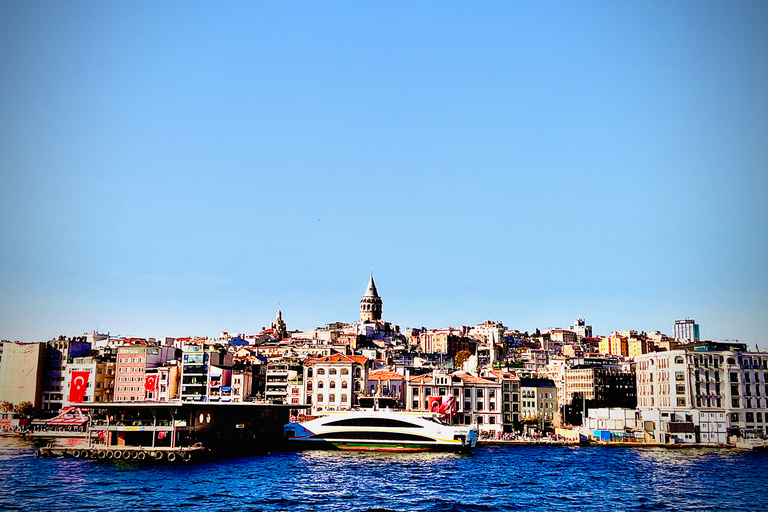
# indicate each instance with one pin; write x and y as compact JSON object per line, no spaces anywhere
{"x":687,"y":329}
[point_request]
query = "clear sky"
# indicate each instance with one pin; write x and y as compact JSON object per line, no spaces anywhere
{"x":183,"y":168}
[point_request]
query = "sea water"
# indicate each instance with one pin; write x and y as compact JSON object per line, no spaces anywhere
{"x":530,"y":478}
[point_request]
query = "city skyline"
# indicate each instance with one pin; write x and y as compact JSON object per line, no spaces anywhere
{"x":176,"y":170}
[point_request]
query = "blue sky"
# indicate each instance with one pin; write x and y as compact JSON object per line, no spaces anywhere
{"x":183,"y":168}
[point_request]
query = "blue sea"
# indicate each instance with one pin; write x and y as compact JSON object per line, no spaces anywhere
{"x":530,"y":478}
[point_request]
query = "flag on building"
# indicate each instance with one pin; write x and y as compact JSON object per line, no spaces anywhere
{"x":77,"y":386}
{"x":150,"y":383}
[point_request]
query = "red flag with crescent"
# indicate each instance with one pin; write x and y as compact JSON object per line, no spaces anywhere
{"x":77,"y":387}
{"x":150,"y":383}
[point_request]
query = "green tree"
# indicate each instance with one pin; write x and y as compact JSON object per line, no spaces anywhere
{"x":26,"y":409}
{"x":6,"y":406}
{"x":460,"y":358}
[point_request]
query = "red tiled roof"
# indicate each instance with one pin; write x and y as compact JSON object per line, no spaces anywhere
{"x":384,"y":375}
{"x":338,"y":358}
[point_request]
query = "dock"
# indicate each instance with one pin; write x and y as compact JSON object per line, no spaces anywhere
{"x":170,"y":432}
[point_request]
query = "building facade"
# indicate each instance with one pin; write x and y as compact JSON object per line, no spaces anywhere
{"x":721,"y":393}
{"x":334,"y":383}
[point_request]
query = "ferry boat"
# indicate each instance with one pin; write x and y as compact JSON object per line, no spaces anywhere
{"x":376,"y":429}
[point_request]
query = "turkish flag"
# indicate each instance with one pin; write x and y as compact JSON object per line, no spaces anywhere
{"x":150,"y":383}
{"x":77,"y":387}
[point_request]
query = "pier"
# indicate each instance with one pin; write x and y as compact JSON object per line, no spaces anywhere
{"x":171,"y":431}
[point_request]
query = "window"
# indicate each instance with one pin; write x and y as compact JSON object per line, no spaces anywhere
{"x":679,"y":376}
{"x":345,"y":371}
{"x":734,"y":417}
{"x":331,"y":398}
{"x":681,"y":389}
{"x":344,"y":385}
{"x":681,"y":401}
{"x":333,"y":384}
{"x":679,"y":360}
{"x":321,"y":371}
{"x":344,"y":399}
{"x":332,"y":371}
{"x":319,"y":398}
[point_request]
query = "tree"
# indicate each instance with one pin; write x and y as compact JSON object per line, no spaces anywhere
{"x":460,"y":358}
{"x":6,"y":406}
{"x":26,"y":409}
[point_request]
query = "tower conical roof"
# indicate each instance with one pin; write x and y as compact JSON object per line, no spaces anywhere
{"x":371,"y":290}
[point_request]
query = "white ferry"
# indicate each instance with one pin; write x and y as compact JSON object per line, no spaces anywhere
{"x":378,"y":429}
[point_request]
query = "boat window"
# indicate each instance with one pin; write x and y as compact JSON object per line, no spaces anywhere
{"x":372,"y":422}
{"x":376,"y":435}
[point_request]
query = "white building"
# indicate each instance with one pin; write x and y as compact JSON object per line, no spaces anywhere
{"x":721,"y":392}
{"x":335,"y":382}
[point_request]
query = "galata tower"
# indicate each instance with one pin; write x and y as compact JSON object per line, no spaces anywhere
{"x":370,"y":304}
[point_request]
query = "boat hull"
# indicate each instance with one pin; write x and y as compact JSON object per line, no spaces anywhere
{"x":379,"y":431}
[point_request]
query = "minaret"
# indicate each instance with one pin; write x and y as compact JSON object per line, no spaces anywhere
{"x":370,"y":304}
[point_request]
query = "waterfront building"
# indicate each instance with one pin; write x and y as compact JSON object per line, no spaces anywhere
{"x":131,"y":367}
{"x":599,"y":387}
{"x":98,"y":380}
{"x":510,"y":399}
{"x":197,"y":357}
{"x":282,"y":382}
{"x":686,"y":330}
{"x":370,"y":303}
{"x":58,"y":354}
{"x":242,"y":382}
{"x":169,"y":376}
{"x":21,"y":373}
{"x":475,"y":399}
{"x":722,"y":392}
{"x":220,"y":382}
{"x":538,"y":403}
{"x":386,"y":383}
{"x":335,"y":382}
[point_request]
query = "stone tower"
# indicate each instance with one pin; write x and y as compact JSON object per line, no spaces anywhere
{"x":278,"y":326}
{"x":370,"y":304}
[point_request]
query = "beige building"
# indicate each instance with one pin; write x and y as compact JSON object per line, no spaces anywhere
{"x":334,"y":383}
{"x":719,"y":391}
{"x":21,"y":373}
{"x":476,"y":399}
